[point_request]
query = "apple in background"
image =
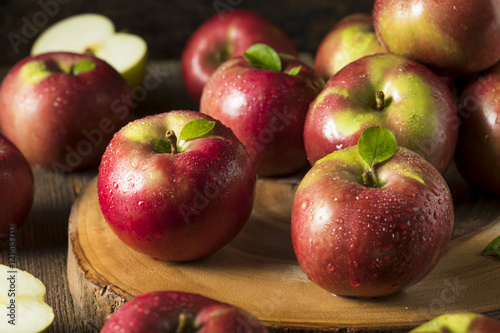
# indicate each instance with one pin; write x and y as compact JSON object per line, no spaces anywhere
{"x":23,"y":302}
{"x":369,"y":230}
{"x":478,"y":150}
{"x":265,"y":106}
{"x":461,"y":322}
{"x":168,"y":185}
{"x":452,"y":37}
{"x":171,"y":311}
{"x":350,"y":39}
{"x":61,"y":109}
{"x":389,"y":91}
{"x":16,"y":187}
{"x":95,"y":34}
{"x":224,"y":36}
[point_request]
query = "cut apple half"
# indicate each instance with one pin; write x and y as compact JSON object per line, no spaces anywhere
{"x":96,"y":34}
{"x":22,"y":298}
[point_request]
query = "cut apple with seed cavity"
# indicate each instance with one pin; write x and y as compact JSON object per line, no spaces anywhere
{"x":96,"y":34}
{"x":22,"y":296}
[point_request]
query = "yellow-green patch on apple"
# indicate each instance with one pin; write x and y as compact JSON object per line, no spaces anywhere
{"x":23,"y":295}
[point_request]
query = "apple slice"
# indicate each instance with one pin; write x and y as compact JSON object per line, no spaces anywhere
{"x":96,"y":34}
{"x":23,"y":297}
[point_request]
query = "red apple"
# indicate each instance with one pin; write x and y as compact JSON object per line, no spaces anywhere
{"x":389,"y":91}
{"x":170,"y":311}
{"x":478,"y":150}
{"x":460,"y":322}
{"x":370,"y":231}
{"x":61,"y":109}
{"x":350,"y":39}
{"x":16,"y":188}
{"x":453,"y":37}
{"x":224,"y":36}
{"x":174,"y":199}
{"x":265,"y":106}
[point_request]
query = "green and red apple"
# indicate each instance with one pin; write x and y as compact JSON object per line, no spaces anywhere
{"x":176,"y":186}
{"x":372,"y":219}
{"x":452,"y":37}
{"x":478,"y":150}
{"x":390,"y":91}
{"x":61,"y":109}
{"x":350,"y":39}
{"x":222,"y":37}
{"x":182,"y":312}
{"x":461,"y":322}
{"x":264,"y":97}
{"x":23,"y":302}
{"x":96,"y":34}
{"x":16,"y":187}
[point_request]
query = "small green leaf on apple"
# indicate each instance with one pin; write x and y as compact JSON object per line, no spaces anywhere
{"x":162,"y":146}
{"x":83,"y":66}
{"x":376,"y":145}
{"x":196,"y":129}
{"x":263,"y":56}
{"x":295,"y":70}
{"x":492,"y":248}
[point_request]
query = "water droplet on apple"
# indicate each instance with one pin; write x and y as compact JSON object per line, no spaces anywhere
{"x":355,"y":282}
{"x":340,"y":220}
{"x":330,"y":267}
{"x":115,"y":185}
{"x":305,"y":204}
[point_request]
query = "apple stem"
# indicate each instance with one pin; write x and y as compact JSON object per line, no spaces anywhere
{"x":186,"y":324}
{"x":173,"y":141}
{"x":369,"y":178}
{"x":379,"y":101}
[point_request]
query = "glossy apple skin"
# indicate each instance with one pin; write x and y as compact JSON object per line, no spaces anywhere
{"x":452,"y":37}
{"x":419,"y":109}
{"x":159,"y":312}
{"x":460,"y":322}
{"x":350,"y":39}
{"x":354,"y":240}
{"x":265,"y":109}
{"x":175,"y":207}
{"x":16,"y":187}
{"x":224,"y":36}
{"x":64,"y":121}
{"x":478,"y":149}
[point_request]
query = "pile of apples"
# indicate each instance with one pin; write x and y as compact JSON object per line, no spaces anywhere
{"x":375,"y":122}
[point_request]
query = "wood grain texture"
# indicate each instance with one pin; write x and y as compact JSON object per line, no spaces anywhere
{"x":258,"y":270}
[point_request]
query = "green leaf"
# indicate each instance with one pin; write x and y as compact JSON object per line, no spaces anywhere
{"x":196,"y":128}
{"x":162,"y":146}
{"x":492,"y":248}
{"x":295,"y":70}
{"x":377,"y":144}
{"x":83,"y":66}
{"x":263,"y":56}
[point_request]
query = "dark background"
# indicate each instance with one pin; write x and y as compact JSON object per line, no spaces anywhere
{"x":166,"y":25}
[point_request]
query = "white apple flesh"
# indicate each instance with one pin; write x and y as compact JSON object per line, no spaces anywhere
{"x":96,"y":34}
{"x":23,"y":299}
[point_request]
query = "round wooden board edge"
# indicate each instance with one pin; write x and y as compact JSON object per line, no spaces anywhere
{"x":89,"y":287}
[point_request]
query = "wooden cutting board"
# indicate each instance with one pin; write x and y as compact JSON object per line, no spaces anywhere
{"x":258,"y":270}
